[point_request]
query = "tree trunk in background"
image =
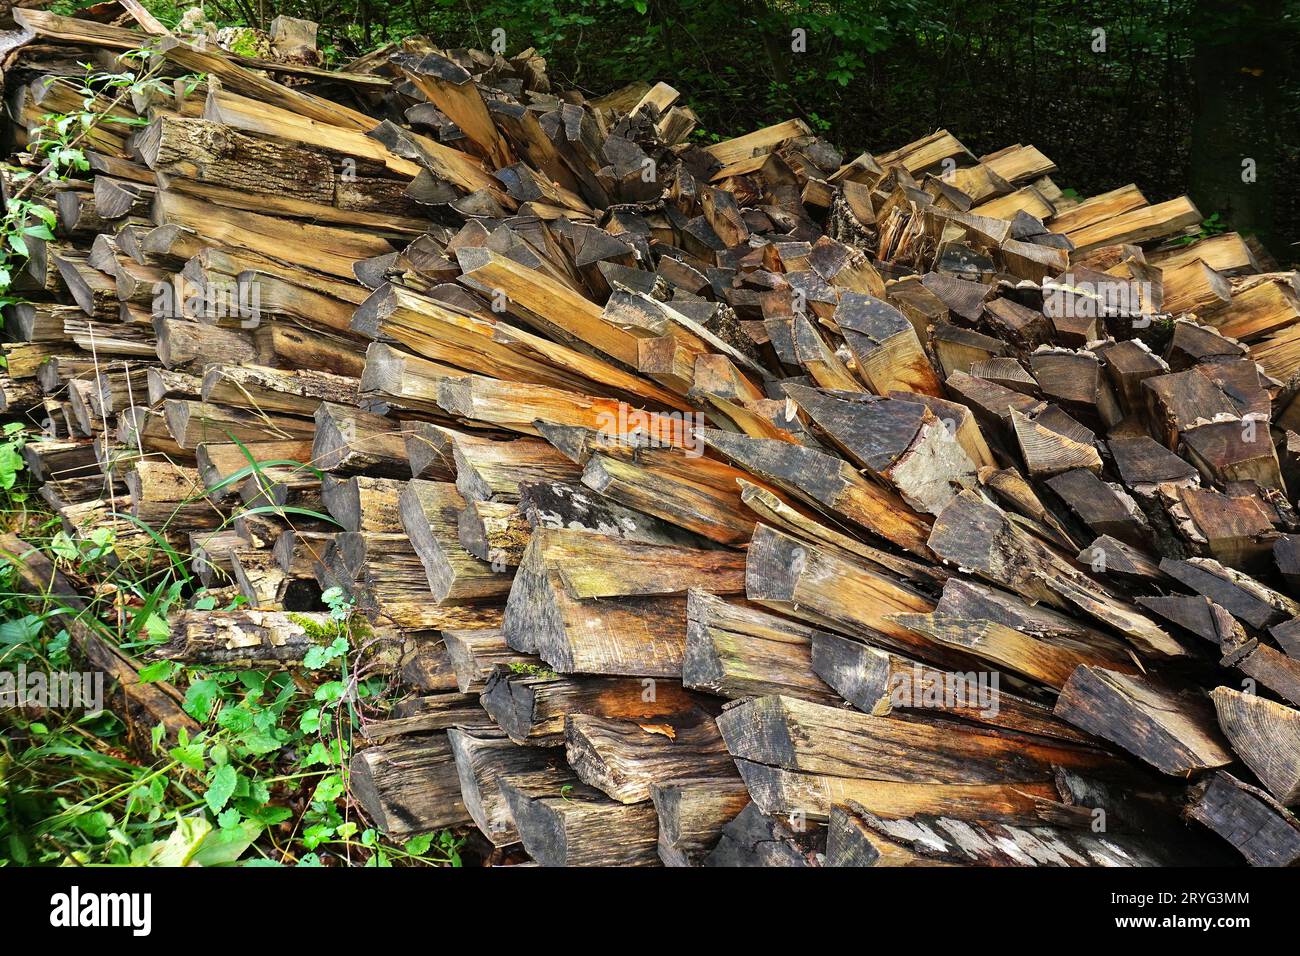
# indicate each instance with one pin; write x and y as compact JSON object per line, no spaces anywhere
{"x":1238,"y":71}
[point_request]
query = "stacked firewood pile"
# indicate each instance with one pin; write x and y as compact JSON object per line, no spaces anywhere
{"x":738,"y":504}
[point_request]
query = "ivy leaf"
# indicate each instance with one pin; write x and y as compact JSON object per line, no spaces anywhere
{"x":221,"y":787}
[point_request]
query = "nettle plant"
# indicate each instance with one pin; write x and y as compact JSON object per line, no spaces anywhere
{"x":272,"y":758}
{"x":263,"y":781}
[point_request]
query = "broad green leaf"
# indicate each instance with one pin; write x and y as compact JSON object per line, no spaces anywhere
{"x":221,"y":786}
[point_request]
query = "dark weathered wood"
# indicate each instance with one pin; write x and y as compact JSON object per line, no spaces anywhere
{"x":692,"y":815}
{"x":495,"y":470}
{"x":1106,"y":555}
{"x":1197,"y":614}
{"x":1172,"y":731}
{"x":885,"y":345}
{"x":622,"y":757}
{"x":409,"y":785}
{"x":433,"y":712}
{"x":494,"y":531}
{"x":711,"y":512}
{"x":776,"y":790}
{"x":576,"y":825}
{"x":530,"y":703}
{"x":825,"y":481}
{"x":430,"y":513}
{"x":385,"y":576}
{"x":754,"y":839}
{"x":901,"y":442}
{"x":798,"y":579}
{"x":1259,"y":827}
{"x":1051,"y":442}
{"x":483,"y":761}
{"x":475,"y":654}
{"x":361,"y":503}
{"x":244,"y":638}
{"x":1101,"y":507}
{"x":577,"y":508}
{"x":426,"y":665}
{"x":977,"y":535}
{"x":832,"y":742}
{"x":1286,"y":555}
{"x":349,"y":441}
{"x":878,"y":682}
{"x":590,"y":603}
{"x":864,"y":839}
{"x":1244,"y":598}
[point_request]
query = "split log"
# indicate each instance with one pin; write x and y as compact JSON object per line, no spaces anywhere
{"x":593,"y":604}
{"x":754,"y":839}
{"x":1170,"y":730}
{"x":429,"y":512}
{"x":735,"y":650}
{"x":409,"y":786}
{"x":576,"y":825}
{"x":863,"y":839}
{"x":623,"y":758}
{"x":1266,"y":735}
{"x":476,"y":654}
{"x":246,"y":638}
{"x":1259,"y":827}
{"x":483,"y":762}
{"x":692,"y":816}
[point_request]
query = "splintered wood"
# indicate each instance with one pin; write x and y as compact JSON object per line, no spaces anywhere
{"x":749,"y":505}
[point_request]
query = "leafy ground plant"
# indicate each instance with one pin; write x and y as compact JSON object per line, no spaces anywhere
{"x":261,"y":782}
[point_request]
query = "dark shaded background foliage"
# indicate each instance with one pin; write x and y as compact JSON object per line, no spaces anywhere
{"x":1184,"y":91}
